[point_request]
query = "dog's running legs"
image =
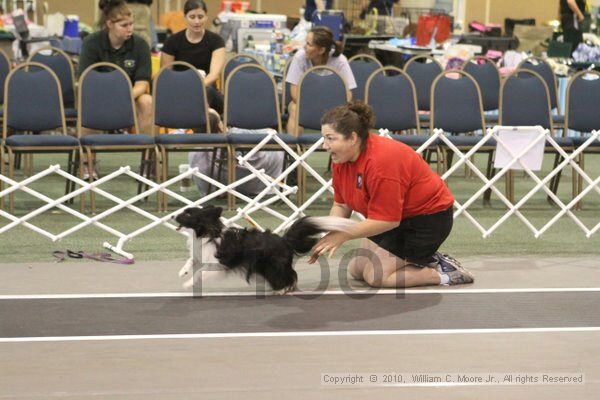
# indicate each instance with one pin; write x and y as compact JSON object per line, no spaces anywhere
{"x":204,"y":276}
{"x":286,"y":290}
{"x":187,"y":267}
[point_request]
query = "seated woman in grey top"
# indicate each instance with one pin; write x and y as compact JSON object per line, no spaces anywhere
{"x":320,"y":49}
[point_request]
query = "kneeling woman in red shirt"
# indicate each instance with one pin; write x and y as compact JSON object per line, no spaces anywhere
{"x":408,"y":208}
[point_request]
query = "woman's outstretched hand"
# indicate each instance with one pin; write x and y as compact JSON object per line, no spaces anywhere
{"x":328,"y":244}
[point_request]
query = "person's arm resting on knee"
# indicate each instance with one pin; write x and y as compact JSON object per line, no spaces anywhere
{"x":140,"y":88}
{"x":333,"y":240}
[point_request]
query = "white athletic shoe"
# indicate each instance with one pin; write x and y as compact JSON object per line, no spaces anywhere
{"x":450,"y":266}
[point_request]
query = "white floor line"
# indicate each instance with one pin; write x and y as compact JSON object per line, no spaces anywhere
{"x":299,"y":334}
{"x":365,"y":292}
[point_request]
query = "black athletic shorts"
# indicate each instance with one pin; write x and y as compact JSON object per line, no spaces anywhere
{"x":417,"y":238}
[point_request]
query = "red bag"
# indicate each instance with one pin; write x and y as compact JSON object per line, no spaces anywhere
{"x":235,"y":6}
{"x":428,"y":25}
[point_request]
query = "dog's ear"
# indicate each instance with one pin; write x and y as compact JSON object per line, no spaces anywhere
{"x":213,"y":212}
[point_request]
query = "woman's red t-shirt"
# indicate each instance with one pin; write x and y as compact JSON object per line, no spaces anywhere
{"x":390,"y":182}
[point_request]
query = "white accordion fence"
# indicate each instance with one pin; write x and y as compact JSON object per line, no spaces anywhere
{"x":277,"y":191}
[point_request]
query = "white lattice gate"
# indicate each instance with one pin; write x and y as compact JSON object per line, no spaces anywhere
{"x":277,"y":191}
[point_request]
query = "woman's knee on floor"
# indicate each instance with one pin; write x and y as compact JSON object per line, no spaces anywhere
{"x":373,"y":274}
{"x":355,"y":268}
{"x":381,"y":267}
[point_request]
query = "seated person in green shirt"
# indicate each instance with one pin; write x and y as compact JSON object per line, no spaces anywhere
{"x":116,"y":43}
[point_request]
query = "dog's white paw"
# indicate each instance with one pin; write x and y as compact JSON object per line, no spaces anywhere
{"x":285,"y":291}
{"x":185,"y":270}
{"x":188,"y":284}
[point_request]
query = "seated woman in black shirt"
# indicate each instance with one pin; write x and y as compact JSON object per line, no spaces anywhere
{"x":200,"y":47}
{"x":116,"y":43}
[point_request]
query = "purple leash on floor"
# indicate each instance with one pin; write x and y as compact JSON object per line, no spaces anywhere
{"x":102,"y":257}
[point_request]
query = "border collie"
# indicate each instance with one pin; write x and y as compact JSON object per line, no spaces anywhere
{"x":249,"y":251}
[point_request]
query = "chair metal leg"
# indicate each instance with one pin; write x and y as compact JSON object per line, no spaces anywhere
{"x":231,"y":172}
{"x":580,"y":180}
{"x":82,"y":196}
{"x":90,"y":167}
{"x":165,"y":174}
{"x":1,"y":173}
{"x":17,"y":161}
{"x":11,"y":175}
{"x":489,"y":172}
{"x":301,"y":180}
{"x":145,"y":170}
{"x":469,"y":171}
{"x":70,"y":169}
{"x":76,"y":170}
{"x":151,"y":173}
{"x":573,"y":184}
{"x":158,"y":178}
{"x":426,"y":155}
{"x":221,"y":164}
{"x":28,"y":164}
{"x":556,"y":178}
{"x":510,"y":186}
{"x":440,"y":159}
{"x":448,"y":159}
{"x":287,"y":161}
{"x":214,"y":158}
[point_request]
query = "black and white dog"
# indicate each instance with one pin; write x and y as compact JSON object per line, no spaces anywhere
{"x":249,"y":251}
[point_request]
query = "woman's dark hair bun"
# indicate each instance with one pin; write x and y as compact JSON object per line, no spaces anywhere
{"x":364,"y":112}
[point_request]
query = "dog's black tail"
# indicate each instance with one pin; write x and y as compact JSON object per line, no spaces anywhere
{"x":301,"y":236}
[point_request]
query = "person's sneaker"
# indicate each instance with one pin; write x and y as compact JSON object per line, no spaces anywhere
{"x":450,"y":266}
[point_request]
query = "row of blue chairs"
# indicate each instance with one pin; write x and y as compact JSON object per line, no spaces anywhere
{"x":423,"y":70}
{"x":252,"y":102}
{"x":457,"y":107}
{"x":34,"y":104}
{"x":460,"y":101}
{"x":60,"y":62}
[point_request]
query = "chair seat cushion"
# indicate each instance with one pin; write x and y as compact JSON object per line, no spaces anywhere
{"x":414,"y":140}
{"x":472,"y":140}
{"x":119,"y":139}
{"x":255,"y":138}
{"x":309,"y":138}
{"x":578,"y":141}
{"x":469,"y":141}
{"x":191,"y":139}
{"x":562,"y":142}
{"x":41,"y":140}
